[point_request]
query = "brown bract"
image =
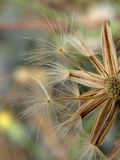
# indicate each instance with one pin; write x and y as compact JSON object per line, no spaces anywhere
{"x":105,"y":86}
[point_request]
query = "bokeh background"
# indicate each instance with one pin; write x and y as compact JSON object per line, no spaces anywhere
{"x":25,"y":139}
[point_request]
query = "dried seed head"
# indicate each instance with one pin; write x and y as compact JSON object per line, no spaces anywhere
{"x":112,"y":87}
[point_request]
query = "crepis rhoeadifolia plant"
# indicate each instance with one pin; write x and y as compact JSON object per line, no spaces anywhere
{"x":59,"y":52}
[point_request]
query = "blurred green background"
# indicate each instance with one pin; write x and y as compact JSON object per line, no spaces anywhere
{"x":22,"y":139}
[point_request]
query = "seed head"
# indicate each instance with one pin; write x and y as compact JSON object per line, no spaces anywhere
{"x":103,"y":86}
{"x":112,"y":87}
